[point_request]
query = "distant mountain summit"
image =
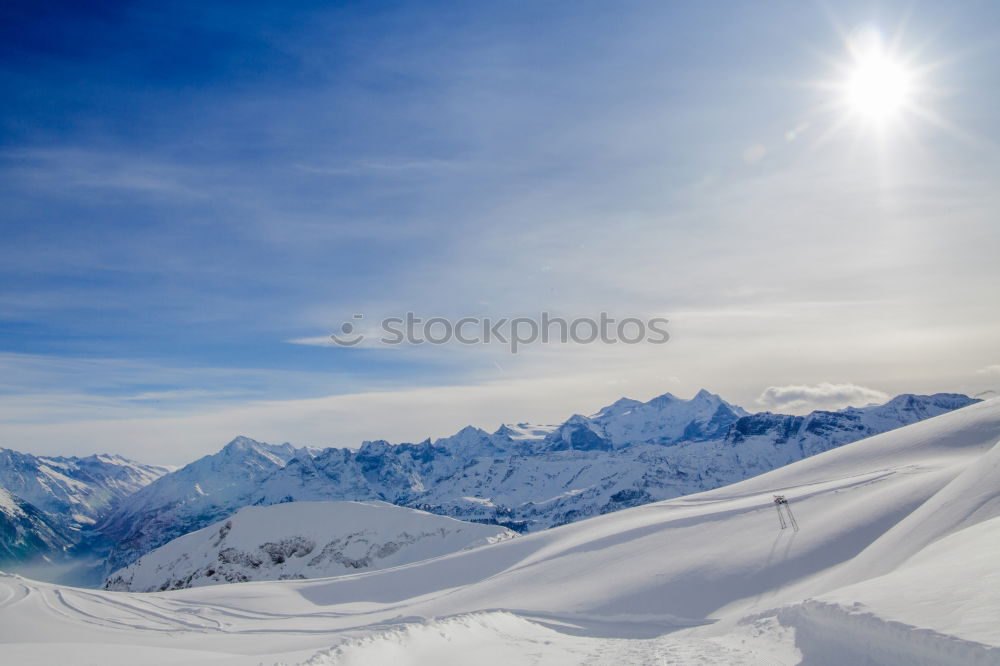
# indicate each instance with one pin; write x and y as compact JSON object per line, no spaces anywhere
{"x":198,"y":494}
{"x":49,"y":505}
{"x":663,"y":420}
{"x":522,"y":476}
{"x":75,"y":489}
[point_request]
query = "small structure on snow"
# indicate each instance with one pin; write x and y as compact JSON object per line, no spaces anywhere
{"x":785,"y":517}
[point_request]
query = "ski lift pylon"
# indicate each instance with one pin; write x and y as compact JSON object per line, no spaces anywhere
{"x":785,"y":516}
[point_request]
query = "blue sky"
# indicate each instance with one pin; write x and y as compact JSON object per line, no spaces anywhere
{"x":185,"y":191}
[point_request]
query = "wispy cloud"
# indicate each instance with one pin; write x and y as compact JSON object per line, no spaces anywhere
{"x":383,"y":166}
{"x":66,"y":168}
{"x":40,"y":388}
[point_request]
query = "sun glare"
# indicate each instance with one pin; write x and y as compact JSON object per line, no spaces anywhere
{"x":880,"y":91}
{"x":877,"y":87}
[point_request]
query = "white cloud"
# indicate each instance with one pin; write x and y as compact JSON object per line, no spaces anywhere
{"x":990,"y":370}
{"x":799,"y":399}
{"x":317,"y":341}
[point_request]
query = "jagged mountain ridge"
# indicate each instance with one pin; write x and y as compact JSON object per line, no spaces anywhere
{"x":51,"y":503}
{"x":521,"y":476}
{"x":302,"y":540}
{"x":78,"y":489}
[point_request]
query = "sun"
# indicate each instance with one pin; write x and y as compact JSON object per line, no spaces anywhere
{"x":878,"y":86}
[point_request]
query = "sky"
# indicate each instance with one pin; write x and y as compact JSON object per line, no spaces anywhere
{"x":194,"y":196}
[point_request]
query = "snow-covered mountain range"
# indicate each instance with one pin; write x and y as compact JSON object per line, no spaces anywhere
{"x":51,"y":503}
{"x":302,"y":540}
{"x":525,"y":477}
{"x":895,"y":563}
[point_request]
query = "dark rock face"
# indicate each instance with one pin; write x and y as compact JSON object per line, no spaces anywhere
{"x":780,"y":427}
{"x":577,"y":436}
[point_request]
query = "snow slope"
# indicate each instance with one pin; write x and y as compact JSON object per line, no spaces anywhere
{"x":895,"y":563}
{"x":302,"y":540}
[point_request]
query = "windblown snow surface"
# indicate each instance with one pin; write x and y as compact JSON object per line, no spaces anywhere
{"x":897,"y":562}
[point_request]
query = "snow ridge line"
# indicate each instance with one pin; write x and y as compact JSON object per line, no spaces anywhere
{"x":831,"y":635}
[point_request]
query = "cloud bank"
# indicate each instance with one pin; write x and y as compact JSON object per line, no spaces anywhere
{"x":799,"y":399}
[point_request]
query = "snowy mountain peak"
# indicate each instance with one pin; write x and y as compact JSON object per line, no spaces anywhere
{"x":374,"y":447}
{"x":701,"y":398}
{"x":242,"y":445}
{"x":665,"y":419}
{"x":707,"y":397}
{"x":75,"y":491}
{"x":669,"y":402}
{"x":201,"y":491}
{"x":245,"y":452}
{"x":471,"y":431}
{"x":664,"y":399}
{"x":468,"y":439}
{"x":505,"y":431}
{"x":104,"y":457}
{"x":619,"y":406}
{"x":910,"y":401}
